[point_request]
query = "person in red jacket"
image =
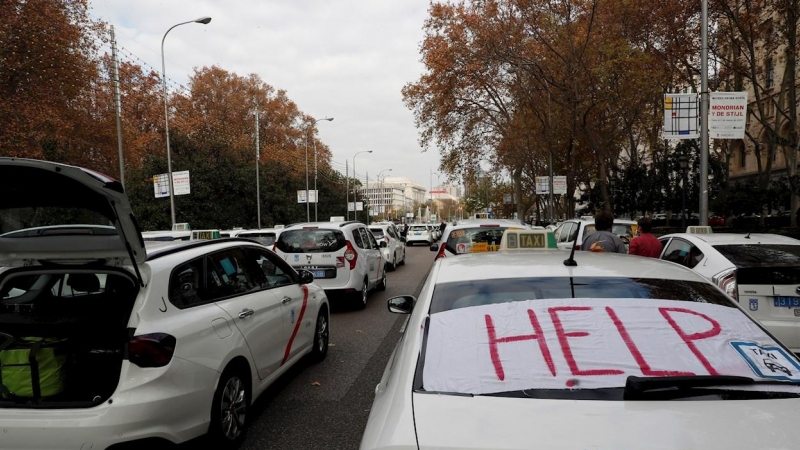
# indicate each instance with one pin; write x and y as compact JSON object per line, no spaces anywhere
{"x":645,"y":244}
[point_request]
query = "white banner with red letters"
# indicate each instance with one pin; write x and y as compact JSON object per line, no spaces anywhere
{"x":588,"y":343}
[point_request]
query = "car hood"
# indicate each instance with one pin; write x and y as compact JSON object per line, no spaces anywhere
{"x":32,"y":186}
{"x":458,"y":422}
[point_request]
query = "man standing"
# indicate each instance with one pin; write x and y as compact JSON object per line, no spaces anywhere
{"x":603,"y":240}
{"x":645,"y":244}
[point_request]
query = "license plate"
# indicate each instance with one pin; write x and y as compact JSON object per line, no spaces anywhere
{"x":318,"y":273}
{"x":787,"y":302}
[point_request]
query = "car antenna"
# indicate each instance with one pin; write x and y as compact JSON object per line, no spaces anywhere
{"x":571,"y":260}
{"x":748,"y":234}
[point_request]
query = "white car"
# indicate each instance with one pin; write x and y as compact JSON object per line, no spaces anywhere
{"x":565,"y":233}
{"x":395,"y":251}
{"x":760,"y":271}
{"x":134,"y":344}
{"x":344,"y":257}
{"x":419,"y":232}
{"x":522,"y":348}
{"x":474,"y":236}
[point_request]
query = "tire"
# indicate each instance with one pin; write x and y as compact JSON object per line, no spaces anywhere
{"x":360,"y":298}
{"x":382,"y":284}
{"x":393,"y":266}
{"x":321,"y":336}
{"x":229,"y":410}
{"x":403,"y":261}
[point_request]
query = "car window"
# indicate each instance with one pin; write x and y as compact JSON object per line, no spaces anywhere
{"x":417,"y":228}
{"x":377,"y":232}
{"x":187,"y":284}
{"x":229,"y":272}
{"x":582,"y":337}
{"x":683,"y":253}
{"x":392,"y":232}
{"x":368,"y":237}
{"x":263,"y":238}
{"x":474,"y":240}
{"x":310,"y":240}
{"x":275,"y":270}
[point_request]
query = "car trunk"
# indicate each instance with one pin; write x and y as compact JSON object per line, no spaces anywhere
{"x":77,"y":317}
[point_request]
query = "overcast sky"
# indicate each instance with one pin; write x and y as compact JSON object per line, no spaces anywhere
{"x":346,"y":59}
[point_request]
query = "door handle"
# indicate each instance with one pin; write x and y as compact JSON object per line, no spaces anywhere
{"x":246,"y":312}
{"x":285,"y":300}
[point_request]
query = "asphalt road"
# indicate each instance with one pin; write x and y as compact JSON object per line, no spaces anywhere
{"x":326,"y":405}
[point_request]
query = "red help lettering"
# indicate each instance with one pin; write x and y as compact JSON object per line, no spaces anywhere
{"x":689,"y":339}
{"x":637,"y":355}
{"x":562,"y":339}
{"x":537,"y":336}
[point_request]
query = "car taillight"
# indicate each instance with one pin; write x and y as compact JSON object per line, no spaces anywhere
{"x":351,"y":255}
{"x":340,"y":262}
{"x":151,"y":350}
{"x":441,"y":253}
{"x":726,"y":280}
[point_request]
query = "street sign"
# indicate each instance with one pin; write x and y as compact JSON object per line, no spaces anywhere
{"x":312,"y":196}
{"x":559,"y":185}
{"x":180,"y":181}
{"x":542,"y":185}
{"x":681,"y":116}
{"x":727,"y":115}
{"x":357,"y":206}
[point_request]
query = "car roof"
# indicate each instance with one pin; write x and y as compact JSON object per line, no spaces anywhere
{"x":160,"y":249}
{"x":325,"y":225}
{"x":739,"y":238}
{"x":550,"y":263}
{"x":616,"y":221}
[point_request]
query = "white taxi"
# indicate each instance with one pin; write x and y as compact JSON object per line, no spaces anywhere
{"x":419,"y":232}
{"x":474,"y":236}
{"x":106,"y":340}
{"x":760,"y":271}
{"x":528,"y":347}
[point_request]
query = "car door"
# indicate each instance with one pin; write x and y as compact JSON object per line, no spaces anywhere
{"x":257,"y":312}
{"x":565,"y":235}
{"x":374,"y":257}
{"x":682,"y":252}
{"x":298,"y":316}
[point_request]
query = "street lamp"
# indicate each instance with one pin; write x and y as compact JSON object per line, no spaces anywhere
{"x":683,"y":161}
{"x":316,"y":199}
{"x":355,"y":194}
{"x":381,"y":190}
{"x":204,"y":21}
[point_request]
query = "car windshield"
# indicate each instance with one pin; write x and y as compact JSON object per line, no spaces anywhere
{"x":417,"y":228}
{"x":310,"y":240}
{"x":582,"y":337}
{"x":473,"y":240}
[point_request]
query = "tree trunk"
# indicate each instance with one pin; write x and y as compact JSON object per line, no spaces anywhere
{"x":789,"y":83}
{"x":518,"y":191}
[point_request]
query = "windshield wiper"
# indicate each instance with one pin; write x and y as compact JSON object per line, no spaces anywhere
{"x":639,"y":387}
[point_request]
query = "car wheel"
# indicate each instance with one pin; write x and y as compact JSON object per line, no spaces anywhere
{"x":393,"y":266}
{"x":229,"y":410}
{"x":382,"y":284}
{"x":321,"y":337}
{"x":361,"y":297}
{"x":403,"y":261}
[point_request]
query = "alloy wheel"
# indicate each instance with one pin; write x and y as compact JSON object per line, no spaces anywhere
{"x":233,"y":408}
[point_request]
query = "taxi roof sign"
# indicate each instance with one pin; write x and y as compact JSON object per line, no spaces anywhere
{"x":533,"y":239}
{"x":694,"y":229}
{"x":205,"y":234}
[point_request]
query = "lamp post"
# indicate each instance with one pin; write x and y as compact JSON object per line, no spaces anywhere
{"x":204,"y":21}
{"x":355,"y":193}
{"x":383,"y":209}
{"x":316,"y":199}
{"x":683,"y":161}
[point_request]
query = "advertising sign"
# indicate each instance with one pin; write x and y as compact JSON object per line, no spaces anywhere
{"x":681,"y":116}
{"x":312,"y":196}
{"x":180,"y":181}
{"x":542,"y":185}
{"x":559,"y":185}
{"x":727,"y":115}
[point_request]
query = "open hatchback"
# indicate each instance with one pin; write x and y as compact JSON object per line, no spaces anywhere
{"x":70,"y":253}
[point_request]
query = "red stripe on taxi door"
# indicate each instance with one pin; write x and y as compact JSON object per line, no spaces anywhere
{"x":296,"y":325}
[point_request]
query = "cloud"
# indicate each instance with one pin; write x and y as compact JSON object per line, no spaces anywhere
{"x":346,"y":59}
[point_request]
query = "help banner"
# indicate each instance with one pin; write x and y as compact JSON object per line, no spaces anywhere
{"x":594,"y":343}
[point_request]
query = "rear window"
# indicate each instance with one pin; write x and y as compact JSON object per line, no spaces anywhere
{"x":17,"y":219}
{"x":262,"y":238}
{"x":310,"y":240}
{"x":618,"y":229}
{"x":761,"y":255}
{"x":582,"y":337}
{"x":417,"y":228}
{"x":473,"y":240}
{"x":377,"y":232}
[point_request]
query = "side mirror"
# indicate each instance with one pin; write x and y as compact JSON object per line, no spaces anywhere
{"x":306,"y":277}
{"x":384,"y":244}
{"x":434,"y":248}
{"x":402,"y":305}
